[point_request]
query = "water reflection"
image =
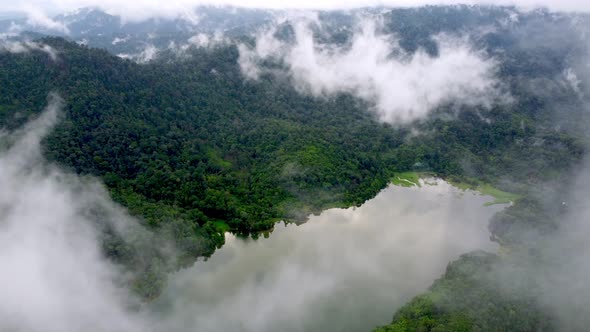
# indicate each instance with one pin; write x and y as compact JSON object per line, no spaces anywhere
{"x":344,"y":270}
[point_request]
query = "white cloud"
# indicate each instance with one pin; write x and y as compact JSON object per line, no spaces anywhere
{"x":37,"y":17}
{"x":206,"y":41}
{"x":571,"y":79}
{"x":141,"y":9}
{"x":403,"y":88}
{"x":118,"y":40}
{"x":200,"y":40}
{"x":26,"y":46}
{"x":149,"y":53}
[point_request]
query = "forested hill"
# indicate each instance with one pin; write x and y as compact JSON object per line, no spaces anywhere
{"x":195,"y":136}
{"x":194,"y":146}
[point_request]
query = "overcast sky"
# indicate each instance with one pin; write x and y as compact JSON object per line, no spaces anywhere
{"x":145,"y":8}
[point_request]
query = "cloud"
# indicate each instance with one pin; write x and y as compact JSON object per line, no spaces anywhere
{"x":149,"y":53}
{"x":200,"y":40}
{"x":134,"y":10}
{"x":206,"y":41}
{"x":551,"y":267}
{"x":54,"y":277}
{"x":572,"y":80}
{"x":567,"y":264}
{"x":403,"y":88}
{"x":26,"y":46}
{"x":38,"y":18}
{"x":118,"y":40}
{"x":561,"y":264}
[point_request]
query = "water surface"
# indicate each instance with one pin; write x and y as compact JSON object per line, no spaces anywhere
{"x":344,"y":270}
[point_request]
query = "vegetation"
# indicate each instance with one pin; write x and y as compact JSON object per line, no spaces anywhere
{"x":406,"y":179}
{"x":500,"y":197}
{"x":469,"y":298}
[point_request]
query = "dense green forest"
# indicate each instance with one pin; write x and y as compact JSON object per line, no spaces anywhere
{"x":195,"y":150}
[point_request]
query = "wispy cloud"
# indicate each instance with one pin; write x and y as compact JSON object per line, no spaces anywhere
{"x":11,"y":46}
{"x":403,"y":87}
{"x":55,"y":277}
{"x":36,"y":16}
{"x":149,"y":53}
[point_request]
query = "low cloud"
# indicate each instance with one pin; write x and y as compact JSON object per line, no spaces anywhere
{"x":118,"y":40}
{"x":38,"y":18}
{"x":551,"y":268}
{"x":200,"y":40}
{"x":565,"y":268}
{"x":403,"y":87}
{"x":54,"y":276}
{"x":11,"y":46}
{"x":205,"y":41}
{"x":149,"y":53}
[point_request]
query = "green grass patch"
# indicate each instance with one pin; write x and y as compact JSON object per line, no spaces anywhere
{"x":500,"y":196}
{"x":406,"y":179}
{"x":221,"y":226}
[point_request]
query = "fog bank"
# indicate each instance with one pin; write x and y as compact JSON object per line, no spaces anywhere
{"x":54,"y":277}
{"x":26,"y":47}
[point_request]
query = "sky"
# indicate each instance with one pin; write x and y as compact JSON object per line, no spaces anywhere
{"x":140,"y":9}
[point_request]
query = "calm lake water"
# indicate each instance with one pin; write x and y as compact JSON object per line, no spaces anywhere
{"x":344,"y":270}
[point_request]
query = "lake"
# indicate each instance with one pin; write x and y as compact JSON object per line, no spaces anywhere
{"x":343,"y":270}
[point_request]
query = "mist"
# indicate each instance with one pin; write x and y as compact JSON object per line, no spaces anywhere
{"x":17,"y":47}
{"x":54,"y":276}
{"x":401,"y":87}
{"x":547,"y":259}
{"x":566,"y":254}
{"x":560,"y":265}
{"x":37,"y":17}
{"x":149,"y":53}
{"x":199,"y":41}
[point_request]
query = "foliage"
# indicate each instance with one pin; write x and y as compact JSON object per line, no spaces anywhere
{"x":406,"y":179}
{"x":469,"y":298}
{"x":500,"y":196}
